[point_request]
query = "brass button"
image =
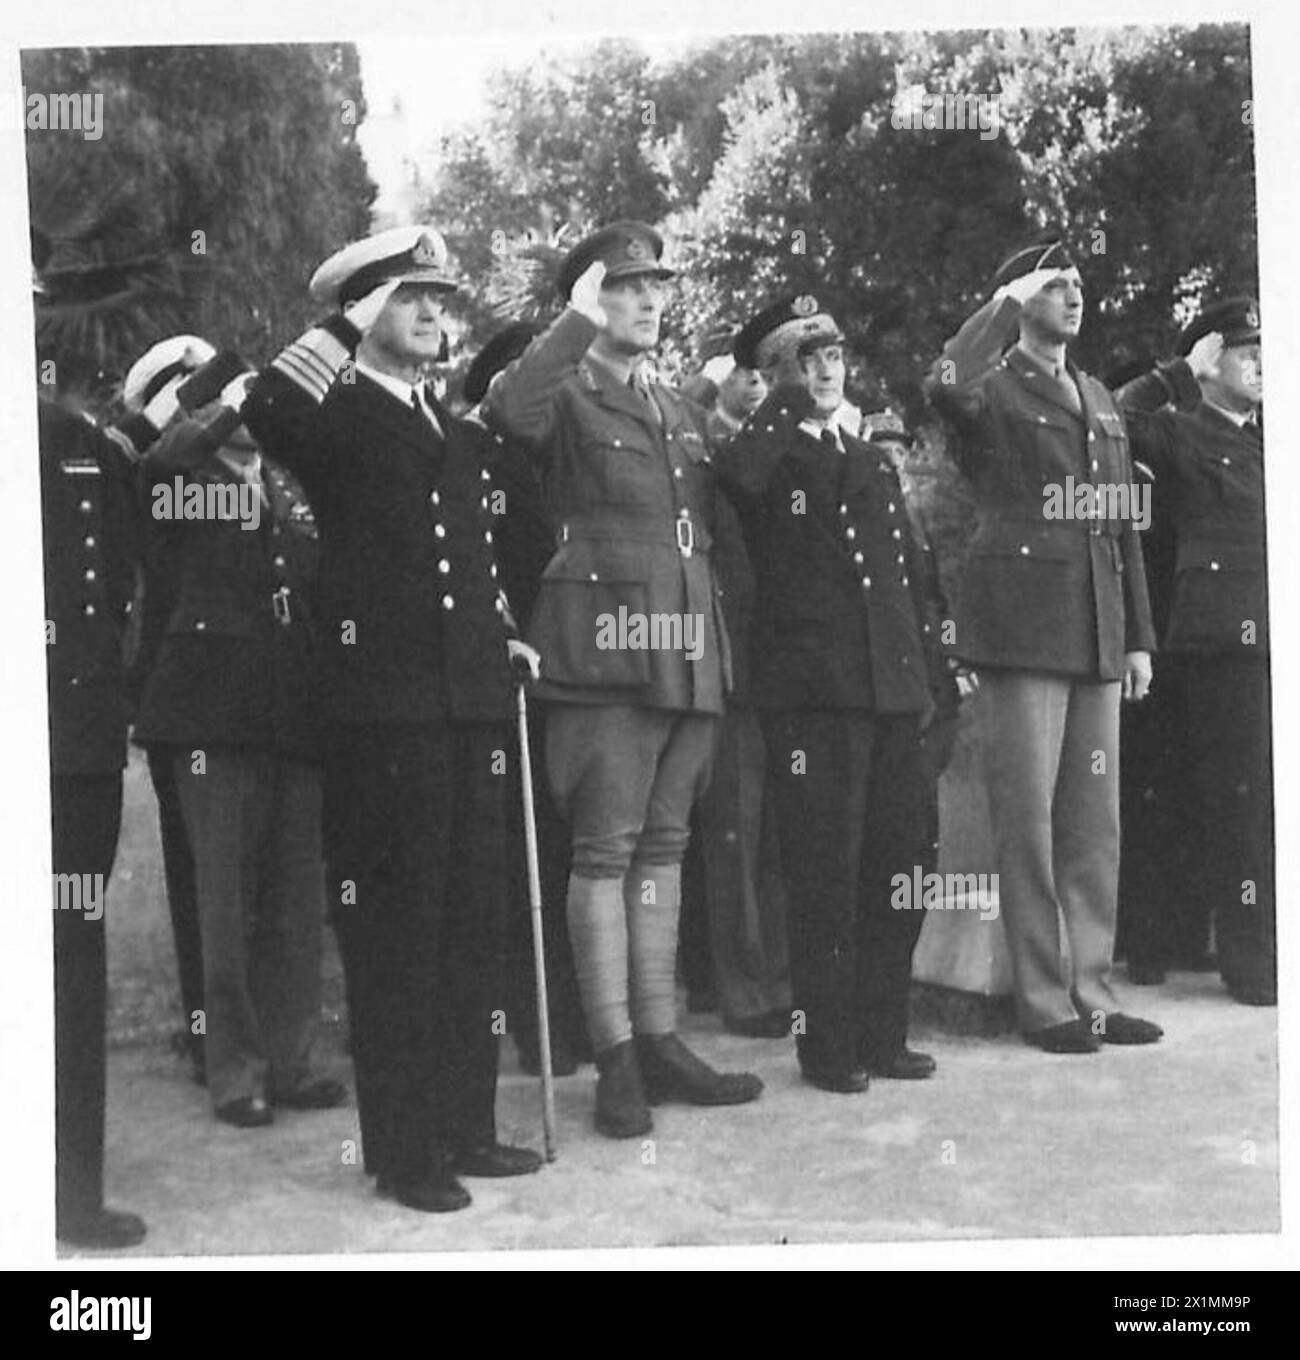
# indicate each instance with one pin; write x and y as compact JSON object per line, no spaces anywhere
{"x":88,"y":609}
{"x":89,"y":542}
{"x":850,"y":533}
{"x":434,"y":498}
{"x":487,"y":535}
{"x":200,"y":625}
{"x":444,"y":566}
{"x":1024,"y":550}
{"x":88,"y":574}
{"x":439,"y":531}
{"x":85,"y":507}
{"x":279,"y":561}
{"x":448,"y":602}
{"x":866,"y":582}
{"x":857,"y":557}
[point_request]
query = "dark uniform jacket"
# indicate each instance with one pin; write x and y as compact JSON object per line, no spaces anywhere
{"x":411,"y":615}
{"x":524,"y":536}
{"x":630,"y":495}
{"x":89,"y":520}
{"x":233,"y":663}
{"x":1209,"y":481}
{"x":847,"y":614}
{"x":1066,"y":596}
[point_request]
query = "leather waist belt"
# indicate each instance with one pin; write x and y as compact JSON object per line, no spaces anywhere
{"x":685,"y":533}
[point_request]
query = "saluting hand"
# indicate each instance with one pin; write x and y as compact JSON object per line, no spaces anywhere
{"x":585,"y":294}
{"x":1204,"y":357}
{"x":364,"y":312}
{"x":1027,"y":285}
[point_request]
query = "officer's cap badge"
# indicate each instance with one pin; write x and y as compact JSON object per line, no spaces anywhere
{"x":805,"y":305}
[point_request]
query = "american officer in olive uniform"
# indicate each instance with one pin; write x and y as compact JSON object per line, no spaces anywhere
{"x":1054,"y":614}
{"x":169,"y":367}
{"x":631,"y":728}
{"x":1195,"y":422}
{"x":417,"y":694}
{"x":90,"y":534}
{"x":231,"y":696}
{"x":846,"y":682}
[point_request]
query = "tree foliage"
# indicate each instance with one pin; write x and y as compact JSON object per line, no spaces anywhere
{"x":772,"y":164}
{"x":222,"y":177}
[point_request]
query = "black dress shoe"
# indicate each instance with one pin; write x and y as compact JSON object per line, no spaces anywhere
{"x":621,"y":1109}
{"x":250,"y":1112}
{"x":1145,"y":974}
{"x":495,"y":1160}
{"x":322,"y":1094}
{"x":1070,"y":1036}
{"x":769,"y":1025}
{"x":1128,"y":1029}
{"x":671,"y":1071}
{"x":847,"y":1081}
{"x":103,"y":1228}
{"x":431,"y":1193}
{"x":564,"y":1062}
{"x":905,"y":1065}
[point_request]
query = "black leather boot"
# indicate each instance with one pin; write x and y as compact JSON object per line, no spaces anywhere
{"x":621,"y":1110}
{"x":672,"y":1072}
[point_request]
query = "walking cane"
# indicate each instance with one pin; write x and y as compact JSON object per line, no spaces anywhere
{"x":535,"y":915}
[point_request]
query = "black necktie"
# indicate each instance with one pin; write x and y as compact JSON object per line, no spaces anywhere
{"x":830,"y":441}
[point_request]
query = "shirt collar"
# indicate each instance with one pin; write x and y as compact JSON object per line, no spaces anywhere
{"x":642,"y":371}
{"x":1042,"y":365}
{"x":399,"y":387}
{"x":832,"y":427}
{"x":1239,"y":418}
{"x":404,"y":391}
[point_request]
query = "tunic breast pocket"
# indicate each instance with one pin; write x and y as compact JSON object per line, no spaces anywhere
{"x":622,"y":470}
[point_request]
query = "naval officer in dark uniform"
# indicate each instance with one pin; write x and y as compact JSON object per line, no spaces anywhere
{"x":846,"y":683}
{"x":417,"y":695}
{"x":90,"y":533}
{"x":1195,"y":421}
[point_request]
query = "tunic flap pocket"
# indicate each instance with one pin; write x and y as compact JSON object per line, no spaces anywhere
{"x":592,"y":633}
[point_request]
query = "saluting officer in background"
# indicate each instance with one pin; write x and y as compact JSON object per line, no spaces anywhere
{"x":161,"y":375}
{"x":841,"y":677}
{"x":524,"y":540}
{"x":1196,"y":422}
{"x":1055,"y":616}
{"x":417,"y":695}
{"x":630,"y":731}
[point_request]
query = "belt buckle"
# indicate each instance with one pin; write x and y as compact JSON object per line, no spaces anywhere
{"x":685,"y":535}
{"x":280,"y":605}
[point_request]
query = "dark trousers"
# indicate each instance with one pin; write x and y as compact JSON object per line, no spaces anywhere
{"x":253,"y":820}
{"x":414,"y":833}
{"x":743,"y":890}
{"x":1230,"y":784}
{"x":851,"y":799}
{"x":182,"y":900}
{"x":554,"y":853}
{"x":1163,"y":918}
{"x":86,"y":817}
